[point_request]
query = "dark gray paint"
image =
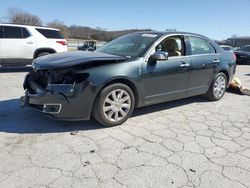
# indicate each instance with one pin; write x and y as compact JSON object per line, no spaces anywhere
{"x":151,"y":81}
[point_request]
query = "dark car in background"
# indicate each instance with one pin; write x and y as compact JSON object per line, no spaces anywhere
{"x":88,"y":46}
{"x":134,"y":70}
{"x":243,"y":55}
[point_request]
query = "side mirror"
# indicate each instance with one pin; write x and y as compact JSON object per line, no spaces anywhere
{"x":159,"y":56}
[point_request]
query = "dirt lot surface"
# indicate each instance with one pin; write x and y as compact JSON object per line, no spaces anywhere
{"x":185,"y":143}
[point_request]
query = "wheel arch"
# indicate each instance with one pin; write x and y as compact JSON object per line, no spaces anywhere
{"x":126,"y":82}
{"x":226,"y":73}
{"x":121,"y":80}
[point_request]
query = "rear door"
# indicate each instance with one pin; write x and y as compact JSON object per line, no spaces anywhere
{"x":17,"y":43}
{"x":204,"y":60}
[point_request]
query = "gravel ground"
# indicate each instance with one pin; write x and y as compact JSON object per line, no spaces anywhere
{"x":185,"y":143}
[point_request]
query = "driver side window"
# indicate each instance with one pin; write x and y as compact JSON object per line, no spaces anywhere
{"x":174,"y":45}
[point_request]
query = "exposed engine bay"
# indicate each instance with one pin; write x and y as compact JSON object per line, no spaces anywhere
{"x":45,"y":79}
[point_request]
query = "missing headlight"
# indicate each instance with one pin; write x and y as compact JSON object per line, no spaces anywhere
{"x":71,"y":84}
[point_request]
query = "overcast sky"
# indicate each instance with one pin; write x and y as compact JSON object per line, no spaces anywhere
{"x":216,"y":19}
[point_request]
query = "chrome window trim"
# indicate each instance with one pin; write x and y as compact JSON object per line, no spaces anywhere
{"x":201,"y":55}
{"x":157,"y":42}
{"x":197,"y":55}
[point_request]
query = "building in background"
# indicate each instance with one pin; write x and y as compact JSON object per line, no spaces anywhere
{"x":238,"y":41}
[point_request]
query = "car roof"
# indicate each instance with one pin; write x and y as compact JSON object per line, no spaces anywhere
{"x":29,"y":26}
{"x":165,"y":33}
{"x":170,"y":33}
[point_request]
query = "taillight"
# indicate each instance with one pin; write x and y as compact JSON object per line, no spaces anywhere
{"x":234,"y":57}
{"x":62,"y":42}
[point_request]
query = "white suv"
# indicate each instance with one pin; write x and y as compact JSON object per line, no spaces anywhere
{"x":20,"y":44}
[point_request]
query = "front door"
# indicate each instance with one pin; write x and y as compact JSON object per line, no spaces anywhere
{"x":167,"y":80}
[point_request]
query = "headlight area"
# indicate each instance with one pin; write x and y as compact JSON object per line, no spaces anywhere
{"x":70,"y":85}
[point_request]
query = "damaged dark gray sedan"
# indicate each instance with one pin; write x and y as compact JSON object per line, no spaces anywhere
{"x":134,"y":70}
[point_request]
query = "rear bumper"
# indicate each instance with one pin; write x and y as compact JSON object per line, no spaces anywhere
{"x":65,"y":102}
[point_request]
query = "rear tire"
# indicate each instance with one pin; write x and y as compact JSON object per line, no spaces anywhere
{"x":114,"y":105}
{"x":42,"y":54}
{"x":218,"y":87}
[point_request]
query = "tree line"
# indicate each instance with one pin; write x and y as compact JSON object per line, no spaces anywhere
{"x":17,"y":16}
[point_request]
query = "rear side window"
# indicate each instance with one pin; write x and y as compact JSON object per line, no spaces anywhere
{"x":26,"y":34}
{"x":1,"y":32}
{"x":51,"y":34}
{"x":12,"y":32}
{"x":200,"y":46}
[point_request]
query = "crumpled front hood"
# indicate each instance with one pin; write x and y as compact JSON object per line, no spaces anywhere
{"x":70,"y":59}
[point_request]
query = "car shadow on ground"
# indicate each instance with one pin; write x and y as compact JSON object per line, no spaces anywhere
{"x":14,"y":119}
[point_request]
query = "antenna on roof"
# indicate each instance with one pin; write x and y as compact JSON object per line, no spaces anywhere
{"x":171,"y":30}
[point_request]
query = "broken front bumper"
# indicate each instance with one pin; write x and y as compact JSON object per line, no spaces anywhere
{"x":45,"y":102}
{"x":61,"y":101}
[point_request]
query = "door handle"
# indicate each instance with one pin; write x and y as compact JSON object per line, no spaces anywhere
{"x":30,"y":42}
{"x":184,"y":64}
{"x":216,"y":61}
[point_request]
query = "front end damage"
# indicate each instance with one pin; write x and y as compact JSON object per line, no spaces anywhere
{"x":64,"y":94}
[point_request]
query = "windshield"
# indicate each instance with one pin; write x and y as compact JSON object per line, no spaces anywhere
{"x":131,"y":45}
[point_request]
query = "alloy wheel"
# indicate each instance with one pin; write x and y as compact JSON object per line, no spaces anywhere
{"x":117,"y":105}
{"x":219,"y":86}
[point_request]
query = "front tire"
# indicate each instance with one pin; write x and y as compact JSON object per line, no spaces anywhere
{"x":114,"y":105}
{"x":218,"y":87}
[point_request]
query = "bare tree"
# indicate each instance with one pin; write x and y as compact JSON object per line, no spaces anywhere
{"x":17,"y":16}
{"x":59,"y":25}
